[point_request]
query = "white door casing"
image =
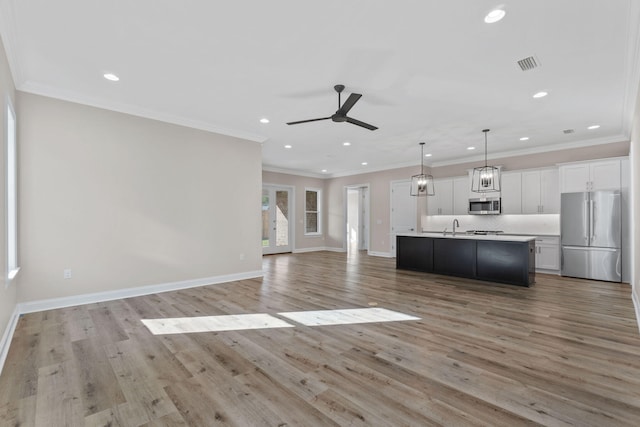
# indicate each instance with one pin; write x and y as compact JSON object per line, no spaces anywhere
{"x":404,"y":211}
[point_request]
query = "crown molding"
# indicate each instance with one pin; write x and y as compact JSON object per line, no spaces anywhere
{"x":75,"y":97}
{"x":9,"y":40}
{"x":297,"y":172}
{"x":534,"y":150}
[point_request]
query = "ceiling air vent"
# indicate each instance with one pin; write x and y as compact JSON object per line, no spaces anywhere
{"x":529,"y":63}
{"x":568,"y":131}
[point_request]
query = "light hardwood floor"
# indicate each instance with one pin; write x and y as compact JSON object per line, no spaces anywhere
{"x":563,"y":352}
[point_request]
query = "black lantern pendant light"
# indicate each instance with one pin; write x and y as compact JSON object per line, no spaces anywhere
{"x":422,"y":185}
{"x":485,"y":178}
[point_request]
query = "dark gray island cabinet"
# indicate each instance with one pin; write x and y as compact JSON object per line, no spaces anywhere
{"x":502,"y":259}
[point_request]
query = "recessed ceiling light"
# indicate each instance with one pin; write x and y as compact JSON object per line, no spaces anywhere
{"x":364,"y":163}
{"x":346,"y":143}
{"x":592,"y":127}
{"x":471,"y":148}
{"x":264,"y":120}
{"x":524,"y":138}
{"x":287,"y":146}
{"x":324,"y":171}
{"x":111,"y":77}
{"x":428,"y":155}
{"x":494,"y":16}
{"x":540,"y":94}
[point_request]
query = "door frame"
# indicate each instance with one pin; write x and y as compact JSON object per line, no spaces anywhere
{"x":292,"y":215}
{"x":392,"y":236}
{"x":366,"y":219}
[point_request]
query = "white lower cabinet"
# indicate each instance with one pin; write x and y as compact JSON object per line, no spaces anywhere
{"x":548,"y":254}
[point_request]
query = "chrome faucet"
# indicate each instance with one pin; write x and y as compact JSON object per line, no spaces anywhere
{"x":455,"y":223}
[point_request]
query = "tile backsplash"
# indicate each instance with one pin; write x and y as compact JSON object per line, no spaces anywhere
{"x":513,"y":224}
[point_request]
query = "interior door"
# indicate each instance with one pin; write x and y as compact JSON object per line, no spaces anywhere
{"x":404,"y":211}
{"x":276,"y":221}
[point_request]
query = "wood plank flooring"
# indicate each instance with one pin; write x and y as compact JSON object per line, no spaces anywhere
{"x":563,"y":352}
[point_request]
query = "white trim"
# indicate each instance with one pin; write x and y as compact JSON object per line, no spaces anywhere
{"x":636,"y":305}
{"x":549,"y":148}
{"x":319,"y":211}
{"x":317,"y":249}
{"x":134,"y":110}
{"x":53,"y":303}
{"x":294,"y":172}
{"x":579,"y":162}
{"x":292,"y":216}
{"x":345,"y":211}
{"x":380,"y":254}
{"x":8,"y":336}
{"x":8,"y":31}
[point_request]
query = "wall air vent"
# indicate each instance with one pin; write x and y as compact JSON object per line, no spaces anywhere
{"x":568,"y":131}
{"x":529,"y":63}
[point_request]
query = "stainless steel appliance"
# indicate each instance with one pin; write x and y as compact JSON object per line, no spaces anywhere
{"x":590,"y":229}
{"x":484,"y":232}
{"x":485,"y":206}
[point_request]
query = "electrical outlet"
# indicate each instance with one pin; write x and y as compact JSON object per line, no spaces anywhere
{"x":66,"y":273}
{"x":241,"y":257}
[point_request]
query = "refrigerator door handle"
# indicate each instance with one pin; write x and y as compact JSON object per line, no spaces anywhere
{"x":588,"y":249}
{"x":591,"y":236}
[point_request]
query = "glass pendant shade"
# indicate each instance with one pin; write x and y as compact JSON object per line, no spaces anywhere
{"x":485,"y":178}
{"x":422,"y":185}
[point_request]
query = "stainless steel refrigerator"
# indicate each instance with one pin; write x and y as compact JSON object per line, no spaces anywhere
{"x":590,"y":229}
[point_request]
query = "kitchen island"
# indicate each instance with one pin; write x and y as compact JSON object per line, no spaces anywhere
{"x":495,"y":258}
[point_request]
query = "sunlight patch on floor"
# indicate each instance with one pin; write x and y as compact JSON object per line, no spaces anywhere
{"x":233,"y":322}
{"x":346,"y":317}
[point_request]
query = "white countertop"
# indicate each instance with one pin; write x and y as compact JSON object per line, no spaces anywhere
{"x":462,"y":235}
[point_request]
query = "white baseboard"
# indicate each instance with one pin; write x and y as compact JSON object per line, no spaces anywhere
{"x":380,"y":254}
{"x":317,"y":249}
{"x":8,"y":336}
{"x":335,"y":249}
{"x":53,"y":303}
{"x":636,"y":304}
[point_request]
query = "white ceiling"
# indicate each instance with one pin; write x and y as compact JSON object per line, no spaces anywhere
{"x":428,"y":70}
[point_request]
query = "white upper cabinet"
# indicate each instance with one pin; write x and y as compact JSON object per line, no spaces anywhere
{"x":511,"y":184}
{"x":531,"y":192}
{"x":590,"y":176}
{"x":461,"y":190}
{"x":550,"y":191}
{"x":540,"y":194}
{"x":442,"y":202}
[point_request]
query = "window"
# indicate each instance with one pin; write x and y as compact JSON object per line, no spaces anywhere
{"x":312,"y":211}
{"x":12,"y":195}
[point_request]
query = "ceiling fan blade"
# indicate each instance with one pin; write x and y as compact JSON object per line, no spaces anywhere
{"x":362,"y":124}
{"x":307,"y":121}
{"x":353,"y":98}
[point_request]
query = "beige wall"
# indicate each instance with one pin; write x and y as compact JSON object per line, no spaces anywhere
{"x":616,"y":149}
{"x":7,"y":290}
{"x":380,"y":212}
{"x":299,"y":183}
{"x":124,"y":201}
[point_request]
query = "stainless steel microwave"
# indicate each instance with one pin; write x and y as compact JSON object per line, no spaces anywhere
{"x":488,"y":206}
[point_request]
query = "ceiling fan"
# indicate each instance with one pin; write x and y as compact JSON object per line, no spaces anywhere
{"x":341,"y":114}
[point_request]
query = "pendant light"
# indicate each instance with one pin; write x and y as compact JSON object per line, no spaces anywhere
{"x":422,"y":185}
{"x":485,"y":178}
